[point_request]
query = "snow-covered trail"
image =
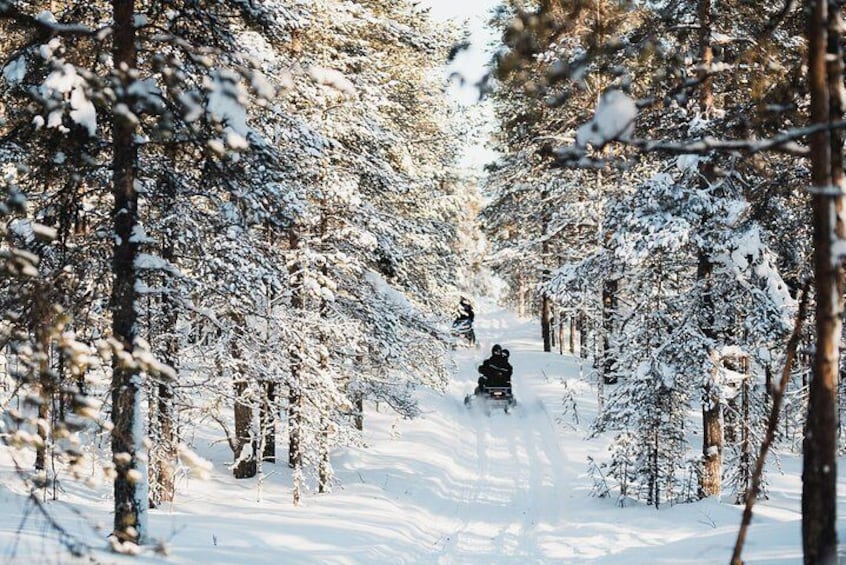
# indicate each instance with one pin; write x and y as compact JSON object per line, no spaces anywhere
{"x":513,"y":509}
{"x":453,"y":486}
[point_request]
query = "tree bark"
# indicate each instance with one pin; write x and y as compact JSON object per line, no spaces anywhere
{"x":359,"y":412}
{"x":294,"y":393}
{"x":130,"y":483}
{"x":712,"y":437}
{"x":712,"y":425}
{"x":819,"y":493}
{"x":546,"y":322}
{"x":323,"y":463}
{"x":745,"y":471}
{"x":163,"y":455}
{"x":583,"y":336}
{"x":560,"y":332}
{"x":268,"y":422}
{"x":572,"y":335}
{"x":245,"y":467}
{"x":609,"y":310}
{"x":41,"y":327}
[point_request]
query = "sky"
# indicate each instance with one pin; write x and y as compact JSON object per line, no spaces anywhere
{"x":470,"y":63}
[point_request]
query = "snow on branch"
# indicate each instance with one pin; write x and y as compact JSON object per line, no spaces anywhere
{"x":334,"y":79}
{"x":43,"y":21}
{"x":614,"y":118}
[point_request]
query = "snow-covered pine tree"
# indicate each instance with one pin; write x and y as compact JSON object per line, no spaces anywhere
{"x":120,"y":118}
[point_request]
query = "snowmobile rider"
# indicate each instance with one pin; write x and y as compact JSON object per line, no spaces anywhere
{"x":495,"y":371}
{"x":465,"y":312}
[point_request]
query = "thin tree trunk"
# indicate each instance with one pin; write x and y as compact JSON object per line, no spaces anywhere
{"x":245,"y":467}
{"x":267,"y":418}
{"x":163,"y":456}
{"x":41,"y":326}
{"x":712,"y":437}
{"x":294,"y":404}
{"x":819,"y":493}
{"x":323,"y":463}
{"x":546,"y":330}
{"x":546,"y":302}
{"x":609,"y":310}
{"x":712,"y":424}
{"x":583,"y":336}
{"x":130,"y":483}
{"x":572,"y":335}
{"x":295,"y":455}
{"x":746,"y":470}
{"x":294,"y":393}
{"x":552,"y":323}
{"x":521,"y":302}
{"x":359,"y":412}
{"x":560,"y":332}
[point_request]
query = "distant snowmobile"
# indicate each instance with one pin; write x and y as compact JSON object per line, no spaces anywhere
{"x":463,"y":329}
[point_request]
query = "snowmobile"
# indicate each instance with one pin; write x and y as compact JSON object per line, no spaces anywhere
{"x":463,"y":329}
{"x":492,"y":397}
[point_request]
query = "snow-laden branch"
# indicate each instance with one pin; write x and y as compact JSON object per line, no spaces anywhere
{"x":614,"y":119}
{"x":44,"y":21}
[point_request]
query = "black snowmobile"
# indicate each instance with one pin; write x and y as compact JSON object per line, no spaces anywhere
{"x":492,"y":398}
{"x":462,"y":329}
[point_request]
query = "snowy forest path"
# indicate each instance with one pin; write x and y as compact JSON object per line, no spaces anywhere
{"x":514,"y":511}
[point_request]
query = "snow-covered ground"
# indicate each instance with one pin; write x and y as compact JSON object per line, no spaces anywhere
{"x":453,"y":486}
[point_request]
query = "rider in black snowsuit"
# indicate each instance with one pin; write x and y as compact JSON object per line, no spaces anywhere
{"x":465,"y":311}
{"x":496,"y":370}
{"x":463,"y":324}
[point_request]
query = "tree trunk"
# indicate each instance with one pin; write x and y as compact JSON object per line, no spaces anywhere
{"x":41,"y":326}
{"x":245,"y":467}
{"x":521,"y":300}
{"x":546,"y":329}
{"x":609,"y":311}
{"x":130,"y":483}
{"x":572,"y":335}
{"x":560,"y":332}
{"x":359,"y":412}
{"x":323,"y":463}
{"x":583,"y":335}
{"x":163,"y":455}
{"x":295,"y":454}
{"x":294,"y":404}
{"x":819,"y":493}
{"x":267,"y":418}
{"x":746,"y":455}
{"x":294,"y":393}
{"x":712,"y":425}
{"x":712,"y":437}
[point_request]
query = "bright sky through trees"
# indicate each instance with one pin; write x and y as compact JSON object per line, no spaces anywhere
{"x":471,"y":62}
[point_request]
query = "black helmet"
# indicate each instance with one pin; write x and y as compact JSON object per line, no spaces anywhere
{"x":506,"y":353}
{"x":496,"y":350}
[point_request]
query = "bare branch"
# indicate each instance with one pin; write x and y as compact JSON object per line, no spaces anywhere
{"x":778,"y":395}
